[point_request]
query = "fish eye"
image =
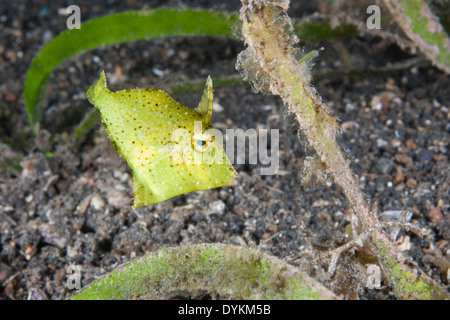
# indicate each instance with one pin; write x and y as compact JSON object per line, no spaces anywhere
{"x":201,"y":141}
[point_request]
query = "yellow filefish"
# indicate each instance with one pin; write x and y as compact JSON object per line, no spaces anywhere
{"x":171,"y":149}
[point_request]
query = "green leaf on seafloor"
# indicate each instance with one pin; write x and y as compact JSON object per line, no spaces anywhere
{"x":117,"y":28}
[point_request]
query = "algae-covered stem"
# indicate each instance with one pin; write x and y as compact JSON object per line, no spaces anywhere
{"x":420,"y":24}
{"x":271,"y":46}
{"x":270,"y":62}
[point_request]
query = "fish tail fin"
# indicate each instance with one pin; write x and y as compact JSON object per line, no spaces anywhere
{"x":94,"y":91}
{"x":142,"y":195}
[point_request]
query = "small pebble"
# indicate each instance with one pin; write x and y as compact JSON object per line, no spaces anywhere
{"x":436,"y":215}
{"x":425,"y":155}
{"x":29,"y":198}
{"x":37,"y":294}
{"x":97,"y":203}
{"x":5,"y":272}
{"x":382,"y":143}
{"x":404,"y":244}
{"x":217,"y":107}
{"x":385,"y":165}
{"x":117,"y":198}
{"x":217,"y":207}
{"x":159,"y":72}
{"x":411,"y":183}
{"x":403,"y":159}
{"x":396,"y":143}
{"x":43,"y":11}
{"x":400,"y":178}
{"x":10,"y":97}
{"x":8,"y":208}
{"x":184,"y":55}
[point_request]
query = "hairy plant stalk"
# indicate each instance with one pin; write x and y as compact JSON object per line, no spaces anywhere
{"x":270,"y":52}
{"x":271,"y":63}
